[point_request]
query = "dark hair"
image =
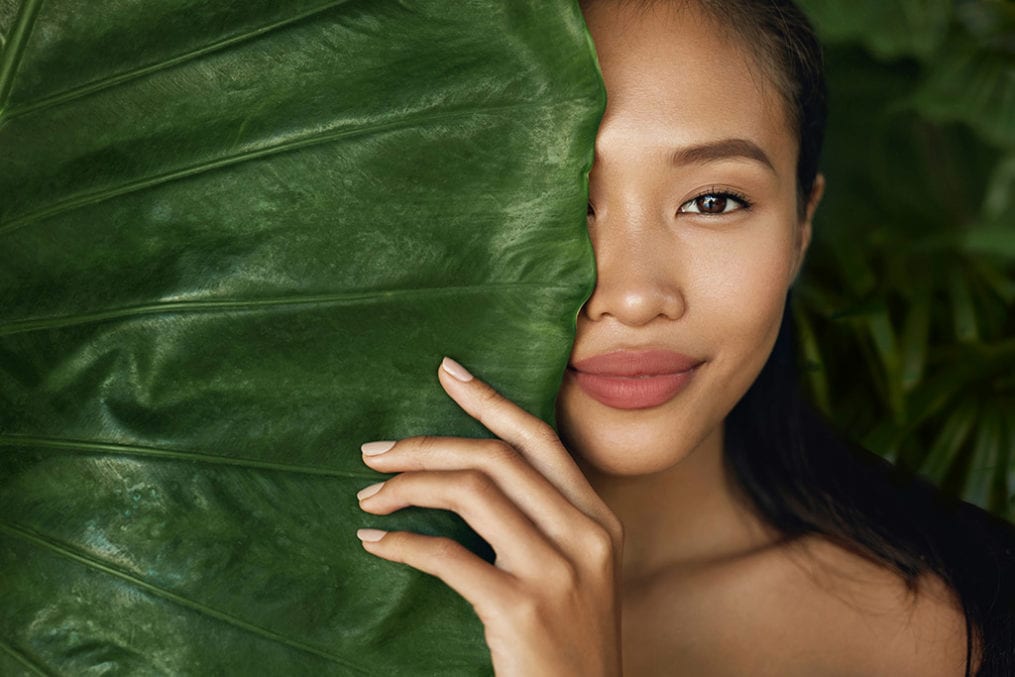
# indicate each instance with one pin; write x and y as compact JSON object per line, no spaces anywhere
{"x":785,"y":44}
{"x":796,"y":471}
{"x":792,"y":467}
{"x":803,"y":478}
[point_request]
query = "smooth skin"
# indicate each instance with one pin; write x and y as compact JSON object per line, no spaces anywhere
{"x":697,"y":236}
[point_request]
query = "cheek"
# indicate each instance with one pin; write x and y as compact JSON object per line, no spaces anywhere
{"x":736,"y":286}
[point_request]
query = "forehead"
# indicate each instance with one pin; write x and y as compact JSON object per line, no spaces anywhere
{"x":676,"y":76}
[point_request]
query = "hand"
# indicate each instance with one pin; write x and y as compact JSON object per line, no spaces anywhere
{"x":549,"y":603}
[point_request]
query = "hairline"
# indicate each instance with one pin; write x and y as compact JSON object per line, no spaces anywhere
{"x":760,"y":51}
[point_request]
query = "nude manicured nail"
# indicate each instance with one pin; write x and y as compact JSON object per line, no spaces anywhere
{"x":376,"y":448}
{"x":456,"y":370}
{"x":367,"y":492}
{"x":370,"y":535}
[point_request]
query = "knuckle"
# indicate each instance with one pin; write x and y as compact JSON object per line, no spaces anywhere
{"x":473,"y":482}
{"x":444,"y":549}
{"x":539,"y":435}
{"x":561,"y":574}
{"x":499,"y":453}
{"x":615,"y":529}
{"x":526,"y":609}
{"x":598,"y":543}
{"x":542,"y":432}
{"x":425,"y":444}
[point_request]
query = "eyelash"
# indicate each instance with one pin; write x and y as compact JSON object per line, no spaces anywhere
{"x":719,"y":193}
{"x":711,"y":192}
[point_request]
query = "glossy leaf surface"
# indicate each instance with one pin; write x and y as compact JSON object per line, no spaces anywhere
{"x":236,"y":239}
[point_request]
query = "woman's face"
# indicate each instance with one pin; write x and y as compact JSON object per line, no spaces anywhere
{"x":693,"y":219}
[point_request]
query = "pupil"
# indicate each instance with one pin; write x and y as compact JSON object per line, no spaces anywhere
{"x":712,"y":204}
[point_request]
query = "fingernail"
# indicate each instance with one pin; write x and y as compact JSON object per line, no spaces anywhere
{"x":370,"y":535}
{"x":367,"y":492}
{"x":376,"y":448}
{"x":456,"y":370}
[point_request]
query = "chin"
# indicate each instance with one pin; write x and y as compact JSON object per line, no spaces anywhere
{"x":635,"y":465}
{"x":628,"y":448}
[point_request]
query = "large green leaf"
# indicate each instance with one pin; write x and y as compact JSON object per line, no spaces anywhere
{"x":237,"y":238}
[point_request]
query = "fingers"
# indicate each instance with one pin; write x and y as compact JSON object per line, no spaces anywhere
{"x":472,"y":578}
{"x":541,"y":501}
{"x":550,"y":596}
{"x":502,"y":417}
{"x":478,"y":500}
{"x":535,"y":440}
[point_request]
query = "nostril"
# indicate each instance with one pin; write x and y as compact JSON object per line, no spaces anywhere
{"x":634,"y":300}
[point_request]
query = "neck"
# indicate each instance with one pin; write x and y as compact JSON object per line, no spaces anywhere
{"x":687,"y":514}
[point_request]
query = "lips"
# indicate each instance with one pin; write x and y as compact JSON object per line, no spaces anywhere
{"x":628,"y":379}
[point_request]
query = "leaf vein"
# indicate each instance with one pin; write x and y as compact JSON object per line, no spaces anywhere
{"x":24,"y":660}
{"x":231,"y":305}
{"x":235,"y":159}
{"x":87,"y":559}
{"x":119,"y":78}
{"x":10,"y":59}
{"x":173,"y":455}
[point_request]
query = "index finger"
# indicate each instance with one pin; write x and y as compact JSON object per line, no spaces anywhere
{"x":534,"y":439}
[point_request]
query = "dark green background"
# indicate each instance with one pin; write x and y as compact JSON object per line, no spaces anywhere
{"x":907,"y":304}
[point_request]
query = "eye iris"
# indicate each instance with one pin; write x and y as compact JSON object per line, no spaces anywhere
{"x":711,"y":204}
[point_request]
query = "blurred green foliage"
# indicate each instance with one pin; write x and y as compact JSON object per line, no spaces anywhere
{"x":906,"y":310}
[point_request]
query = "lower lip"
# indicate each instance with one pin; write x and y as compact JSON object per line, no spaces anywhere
{"x":636,"y":392}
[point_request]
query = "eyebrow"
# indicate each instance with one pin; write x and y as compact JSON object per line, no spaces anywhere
{"x":721,"y":150}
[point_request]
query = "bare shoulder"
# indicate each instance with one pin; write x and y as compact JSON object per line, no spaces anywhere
{"x":862,"y":619}
{"x":807,"y":608}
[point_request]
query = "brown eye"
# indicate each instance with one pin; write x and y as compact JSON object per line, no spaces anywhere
{"x":592,"y":210}
{"x":711,"y":204}
{"x":714,"y":204}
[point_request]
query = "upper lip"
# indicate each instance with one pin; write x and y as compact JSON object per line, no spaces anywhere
{"x":630,"y":363}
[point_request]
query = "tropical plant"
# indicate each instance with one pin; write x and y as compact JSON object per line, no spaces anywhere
{"x":236,"y":239}
{"x":907,"y":307}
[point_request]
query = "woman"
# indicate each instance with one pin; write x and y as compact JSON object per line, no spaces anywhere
{"x":727,"y":528}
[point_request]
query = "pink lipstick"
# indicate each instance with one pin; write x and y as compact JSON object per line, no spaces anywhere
{"x":630,"y":379}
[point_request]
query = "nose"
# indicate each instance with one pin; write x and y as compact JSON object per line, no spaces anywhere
{"x":638,"y":272}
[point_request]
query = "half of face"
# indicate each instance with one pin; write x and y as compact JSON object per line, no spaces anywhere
{"x":694,"y":223}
